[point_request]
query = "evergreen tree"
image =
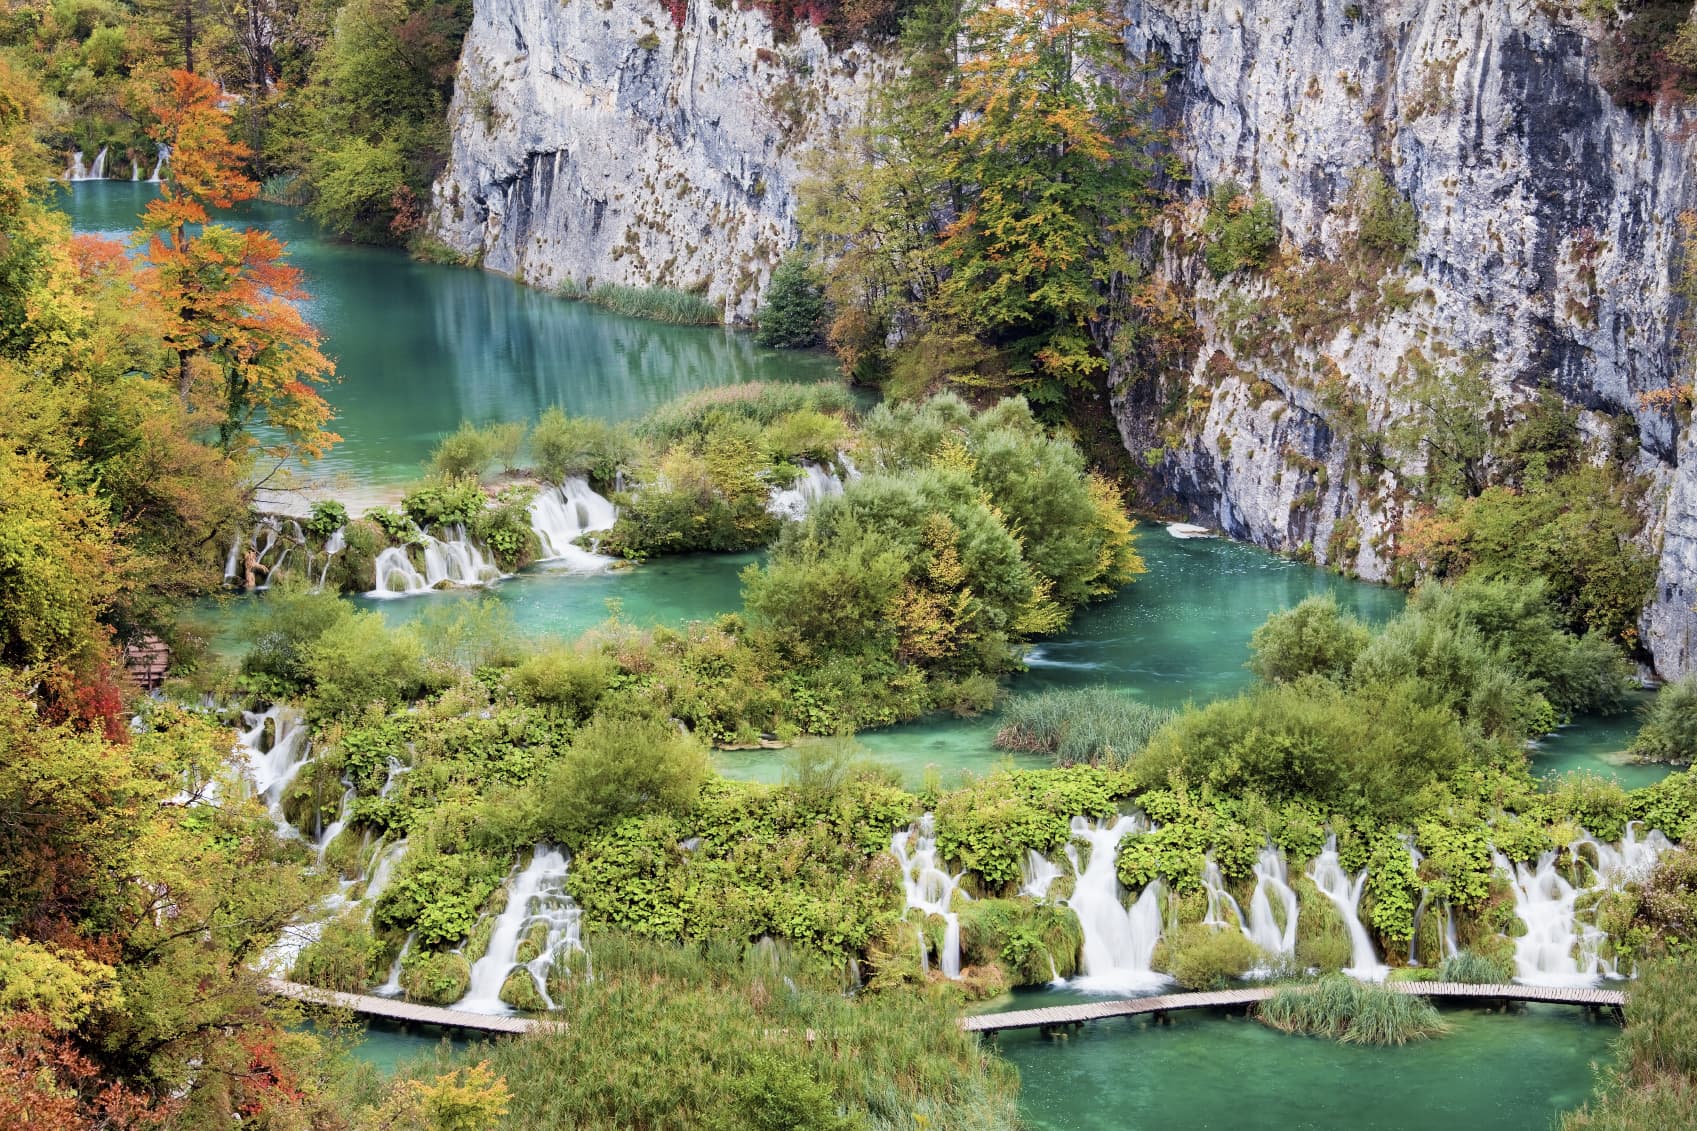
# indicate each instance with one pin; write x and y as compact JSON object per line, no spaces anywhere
{"x":794,"y":314}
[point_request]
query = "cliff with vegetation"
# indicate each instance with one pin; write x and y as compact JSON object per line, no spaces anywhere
{"x":1466,"y":219}
{"x":614,"y":144}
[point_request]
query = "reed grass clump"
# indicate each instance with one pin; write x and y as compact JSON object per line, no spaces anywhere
{"x":760,"y":402}
{"x":1096,"y":726}
{"x":659,"y":304}
{"x":1355,"y":1013}
{"x":724,"y":1035}
{"x":1473,"y":969}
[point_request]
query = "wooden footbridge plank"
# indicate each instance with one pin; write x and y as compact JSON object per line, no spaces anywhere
{"x":392,"y":1009}
{"x":1169,"y":1003}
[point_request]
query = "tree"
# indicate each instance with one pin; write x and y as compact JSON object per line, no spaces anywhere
{"x":620,"y":766}
{"x":226,"y":301}
{"x":1052,"y":158}
{"x":794,"y":314}
{"x":1315,"y":638}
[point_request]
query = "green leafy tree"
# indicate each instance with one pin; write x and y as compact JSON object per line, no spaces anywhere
{"x":621,"y":766}
{"x":794,"y":314}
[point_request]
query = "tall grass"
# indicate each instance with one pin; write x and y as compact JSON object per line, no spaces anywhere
{"x":761,"y":402}
{"x":1098,"y":726}
{"x":1653,"y":1082}
{"x":730,"y":1036}
{"x":1355,"y":1013}
{"x":661,"y":304}
{"x":1473,"y":969}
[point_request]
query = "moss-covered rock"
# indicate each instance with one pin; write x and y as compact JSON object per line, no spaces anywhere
{"x":1322,"y":937}
{"x":477,"y":939}
{"x":532,"y":942}
{"x":435,"y":978}
{"x":1031,"y":942}
{"x":892,"y":957}
{"x":344,"y":957}
{"x":520,"y":992}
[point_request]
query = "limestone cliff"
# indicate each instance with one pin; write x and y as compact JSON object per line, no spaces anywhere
{"x":1548,"y":243}
{"x":596,"y":142}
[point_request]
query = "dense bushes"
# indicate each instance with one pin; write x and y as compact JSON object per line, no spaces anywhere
{"x":733,"y":1022}
{"x":794,"y":314}
{"x":1669,"y":733}
{"x":621,"y":766}
{"x":1240,"y":232}
{"x":1653,"y":1082}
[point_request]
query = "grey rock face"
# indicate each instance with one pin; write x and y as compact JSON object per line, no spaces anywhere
{"x":1548,"y":244}
{"x":595,"y":142}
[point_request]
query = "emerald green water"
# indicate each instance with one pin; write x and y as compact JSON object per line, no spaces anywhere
{"x":1208,"y":1072}
{"x":421,"y":347}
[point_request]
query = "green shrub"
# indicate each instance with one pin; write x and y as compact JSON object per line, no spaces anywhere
{"x":444,"y":501}
{"x":1474,"y":969}
{"x":564,"y":447}
{"x":362,"y":661}
{"x":327,"y":517}
{"x":617,"y":767}
{"x":1388,"y":223}
{"x":794,"y":314}
{"x":1032,"y":943}
{"x":464,"y":454}
{"x":1239,"y":232}
{"x":1097,"y":726}
{"x":1314,"y":638}
{"x":504,"y":526}
{"x":738,"y":1016}
{"x":661,"y":304}
{"x":760,"y":402}
{"x":1653,"y":1082}
{"x":397,"y":527}
{"x":344,"y":957}
{"x":1352,"y":1012}
{"x":561,"y":679}
{"x":434,"y":978}
{"x":1202,"y":957}
{"x":291,"y":621}
{"x":1669,"y":733}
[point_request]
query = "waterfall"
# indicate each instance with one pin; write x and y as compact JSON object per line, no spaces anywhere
{"x":272,"y":762}
{"x":1119,"y":945}
{"x":327,"y":836}
{"x":1037,"y":874}
{"x":1415,"y":857}
{"x":391,"y":986}
{"x":537,"y":895}
{"x":76,"y":170}
{"x":1557,"y":948}
{"x":930,"y":889}
{"x":135,"y":172}
{"x":561,"y":515}
{"x":1336,"y":885}
{"x":159,"y":164}
{"x":1219,"y":900}
{"x":814,"y":483}
{"x":455,"y":561}
{"x":98,"y":172}
{"x":1452,"y":945}
{"x":382,"y":871}
{"x":1272,"y":881}
{"x":396,"y":768}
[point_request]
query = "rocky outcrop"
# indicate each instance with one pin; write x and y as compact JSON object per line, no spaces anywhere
{"x":596,"y":142}
{"x":1548,"y":245}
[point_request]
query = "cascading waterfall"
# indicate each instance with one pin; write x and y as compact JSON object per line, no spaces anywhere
{"x":814,"y":483}
{"x":1415,"y":857}
{"x":382,"y":871}
{"x":273,"y":759}
{"x":453,"y":561}
{"x":537,"y":895}
{"x":1038,"y":873}
{"x":1272,"y":882}
{"x":76,"y":170}
{"x":135,"y":172}
{"x":1220,"y":900}
{"x":1119,"y":945}
{"x":159,"y":163}
{"x":391,"y":986}
{"x":561,"y":515}
{"x":1558,"y":949}
{"x":928,"y":887}
{"x":97,"y":172}
{"x":1337,"y":885}
{"x":327,"y":835}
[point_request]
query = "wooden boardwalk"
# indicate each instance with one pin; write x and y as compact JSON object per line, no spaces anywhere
{"x":1224,"y":999}
{"x":393,"y":1009}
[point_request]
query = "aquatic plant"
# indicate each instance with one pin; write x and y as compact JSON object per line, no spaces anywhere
{"x":1473,"y":969}
{"x":1098,"y":726}
{"x":1352,"y":1012}
{"x":661,"y":304}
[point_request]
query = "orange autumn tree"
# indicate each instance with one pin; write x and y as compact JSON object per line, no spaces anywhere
{"x":226,"y":301}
